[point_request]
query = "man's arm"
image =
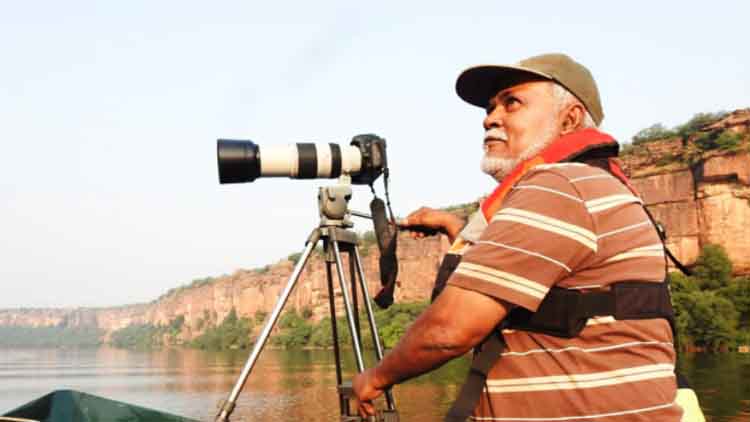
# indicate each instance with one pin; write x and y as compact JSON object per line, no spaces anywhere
{"x":442,"y":221}
{"x":457,"y":321}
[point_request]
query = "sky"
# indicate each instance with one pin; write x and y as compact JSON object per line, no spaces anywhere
{"x":110,"y":111}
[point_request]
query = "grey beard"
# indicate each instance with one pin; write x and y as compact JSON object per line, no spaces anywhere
{"x":499,"y":168}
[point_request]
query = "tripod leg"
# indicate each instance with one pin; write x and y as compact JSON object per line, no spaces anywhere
{"x":371,"y":318}
{"x":228,"y":405}
{"x":347,"y":304}
{"x":343,"y":406}
{"x":355,"y":300}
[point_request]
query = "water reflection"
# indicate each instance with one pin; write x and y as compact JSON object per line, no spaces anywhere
{"x":298,"y":385}
{"x":722,"y":383}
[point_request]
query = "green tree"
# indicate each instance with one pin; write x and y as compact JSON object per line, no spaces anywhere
{"x":713,"y":269}
{"x":138,"y":336}
{"x":233,"y":332}
{"x":728,"y":141}
{"x":652,"y":133}
{"x":738,"y":292}
{"x":295,"y":331}
{"x":680,"y":283}
{"x":321,"y":334}
{"x":710,"y":306}
{"x":714,"y":320}
{"x":260,"y":316}
{"x":307,"y":312}
{"x":697,"y":122}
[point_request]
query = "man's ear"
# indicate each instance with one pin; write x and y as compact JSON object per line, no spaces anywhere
{"x":572,"y":118}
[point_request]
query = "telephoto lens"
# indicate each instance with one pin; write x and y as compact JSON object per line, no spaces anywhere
{"x":244,"y":161}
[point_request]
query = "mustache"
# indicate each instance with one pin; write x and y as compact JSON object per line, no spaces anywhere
{"x":495,"y":133}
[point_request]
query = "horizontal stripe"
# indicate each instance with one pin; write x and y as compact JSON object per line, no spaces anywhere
{"x":624,"y":229}
{"x":597,"y":320}
{"x":499,"y":282}
{"x":558,"y":165}
{"x":588,"y":286}
{"x":548,"y":190}
{"x":591,"y":349}
{"x":656,"y":251}
{"x":611,"y":201}
{"x":596,"y":176}
{"x":577,"y":417}
{"x":543,"y":222}
{"x":582,"y":381}
{"x":503,"y":278}
{"x":524,"y":251}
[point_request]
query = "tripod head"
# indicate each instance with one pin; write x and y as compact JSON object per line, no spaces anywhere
{"x":333,"y":204}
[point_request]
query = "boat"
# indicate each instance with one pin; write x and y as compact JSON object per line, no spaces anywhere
{"x":76,"y":406}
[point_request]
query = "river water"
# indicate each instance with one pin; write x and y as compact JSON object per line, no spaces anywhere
{"x":286,"y":385}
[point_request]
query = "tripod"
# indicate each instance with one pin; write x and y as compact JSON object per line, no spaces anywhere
{"x":335,"y":232}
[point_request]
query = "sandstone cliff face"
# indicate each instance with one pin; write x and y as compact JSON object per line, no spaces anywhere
{"x":707,"y":202}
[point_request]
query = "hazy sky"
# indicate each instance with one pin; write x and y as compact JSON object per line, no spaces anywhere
{"x":109,"y":114}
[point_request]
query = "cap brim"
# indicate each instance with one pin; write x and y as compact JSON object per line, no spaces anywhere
{"x":476,"y":85}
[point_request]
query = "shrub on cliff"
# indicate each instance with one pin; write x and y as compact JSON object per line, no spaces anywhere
{"x":706,"y":141}
{"x":652,"y":133}
{"x":697,"y":122}
{"x":725,"y":140}
{"x":294,"y":257}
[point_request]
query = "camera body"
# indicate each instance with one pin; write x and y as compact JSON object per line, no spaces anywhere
{"x":364,"y":159}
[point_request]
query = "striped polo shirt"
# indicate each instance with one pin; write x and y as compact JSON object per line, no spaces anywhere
{"x":574,"y":226}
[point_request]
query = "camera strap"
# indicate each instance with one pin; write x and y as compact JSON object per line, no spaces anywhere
{"x":387,"y":235}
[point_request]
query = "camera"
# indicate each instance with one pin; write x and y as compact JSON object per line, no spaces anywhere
{"x":364,"y":159}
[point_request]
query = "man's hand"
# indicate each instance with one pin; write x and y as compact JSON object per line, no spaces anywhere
{"x":425,"y":219}
{"x":366,"y":388}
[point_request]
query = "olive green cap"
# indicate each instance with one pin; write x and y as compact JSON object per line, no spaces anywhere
{"x":476,"y":85}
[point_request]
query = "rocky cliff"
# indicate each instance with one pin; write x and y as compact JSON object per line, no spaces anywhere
{"x":700,"y":196}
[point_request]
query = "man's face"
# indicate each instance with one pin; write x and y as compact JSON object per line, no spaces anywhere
{"x":521,"y":121}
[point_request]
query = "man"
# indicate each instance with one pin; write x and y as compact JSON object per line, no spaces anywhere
{"x":554,"y":224}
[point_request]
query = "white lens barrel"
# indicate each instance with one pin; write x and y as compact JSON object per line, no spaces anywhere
{"x":351,"y":159}
{"x":278,"y":161}
{"x":309,"y":161}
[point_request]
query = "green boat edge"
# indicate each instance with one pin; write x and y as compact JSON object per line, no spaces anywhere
{"x":76,"y":406}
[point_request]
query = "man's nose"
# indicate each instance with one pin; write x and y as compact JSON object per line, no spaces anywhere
{"x":493,"y":119}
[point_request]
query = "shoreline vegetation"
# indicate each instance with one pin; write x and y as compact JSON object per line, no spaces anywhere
{"x":712,"y":313}
{"x":295,"y":329}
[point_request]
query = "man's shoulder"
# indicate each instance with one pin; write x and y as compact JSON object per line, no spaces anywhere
{"x":580,"y":180}
{"x":571,"y":172}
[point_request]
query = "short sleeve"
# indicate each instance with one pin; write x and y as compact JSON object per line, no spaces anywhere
{"x":538,"y":237}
